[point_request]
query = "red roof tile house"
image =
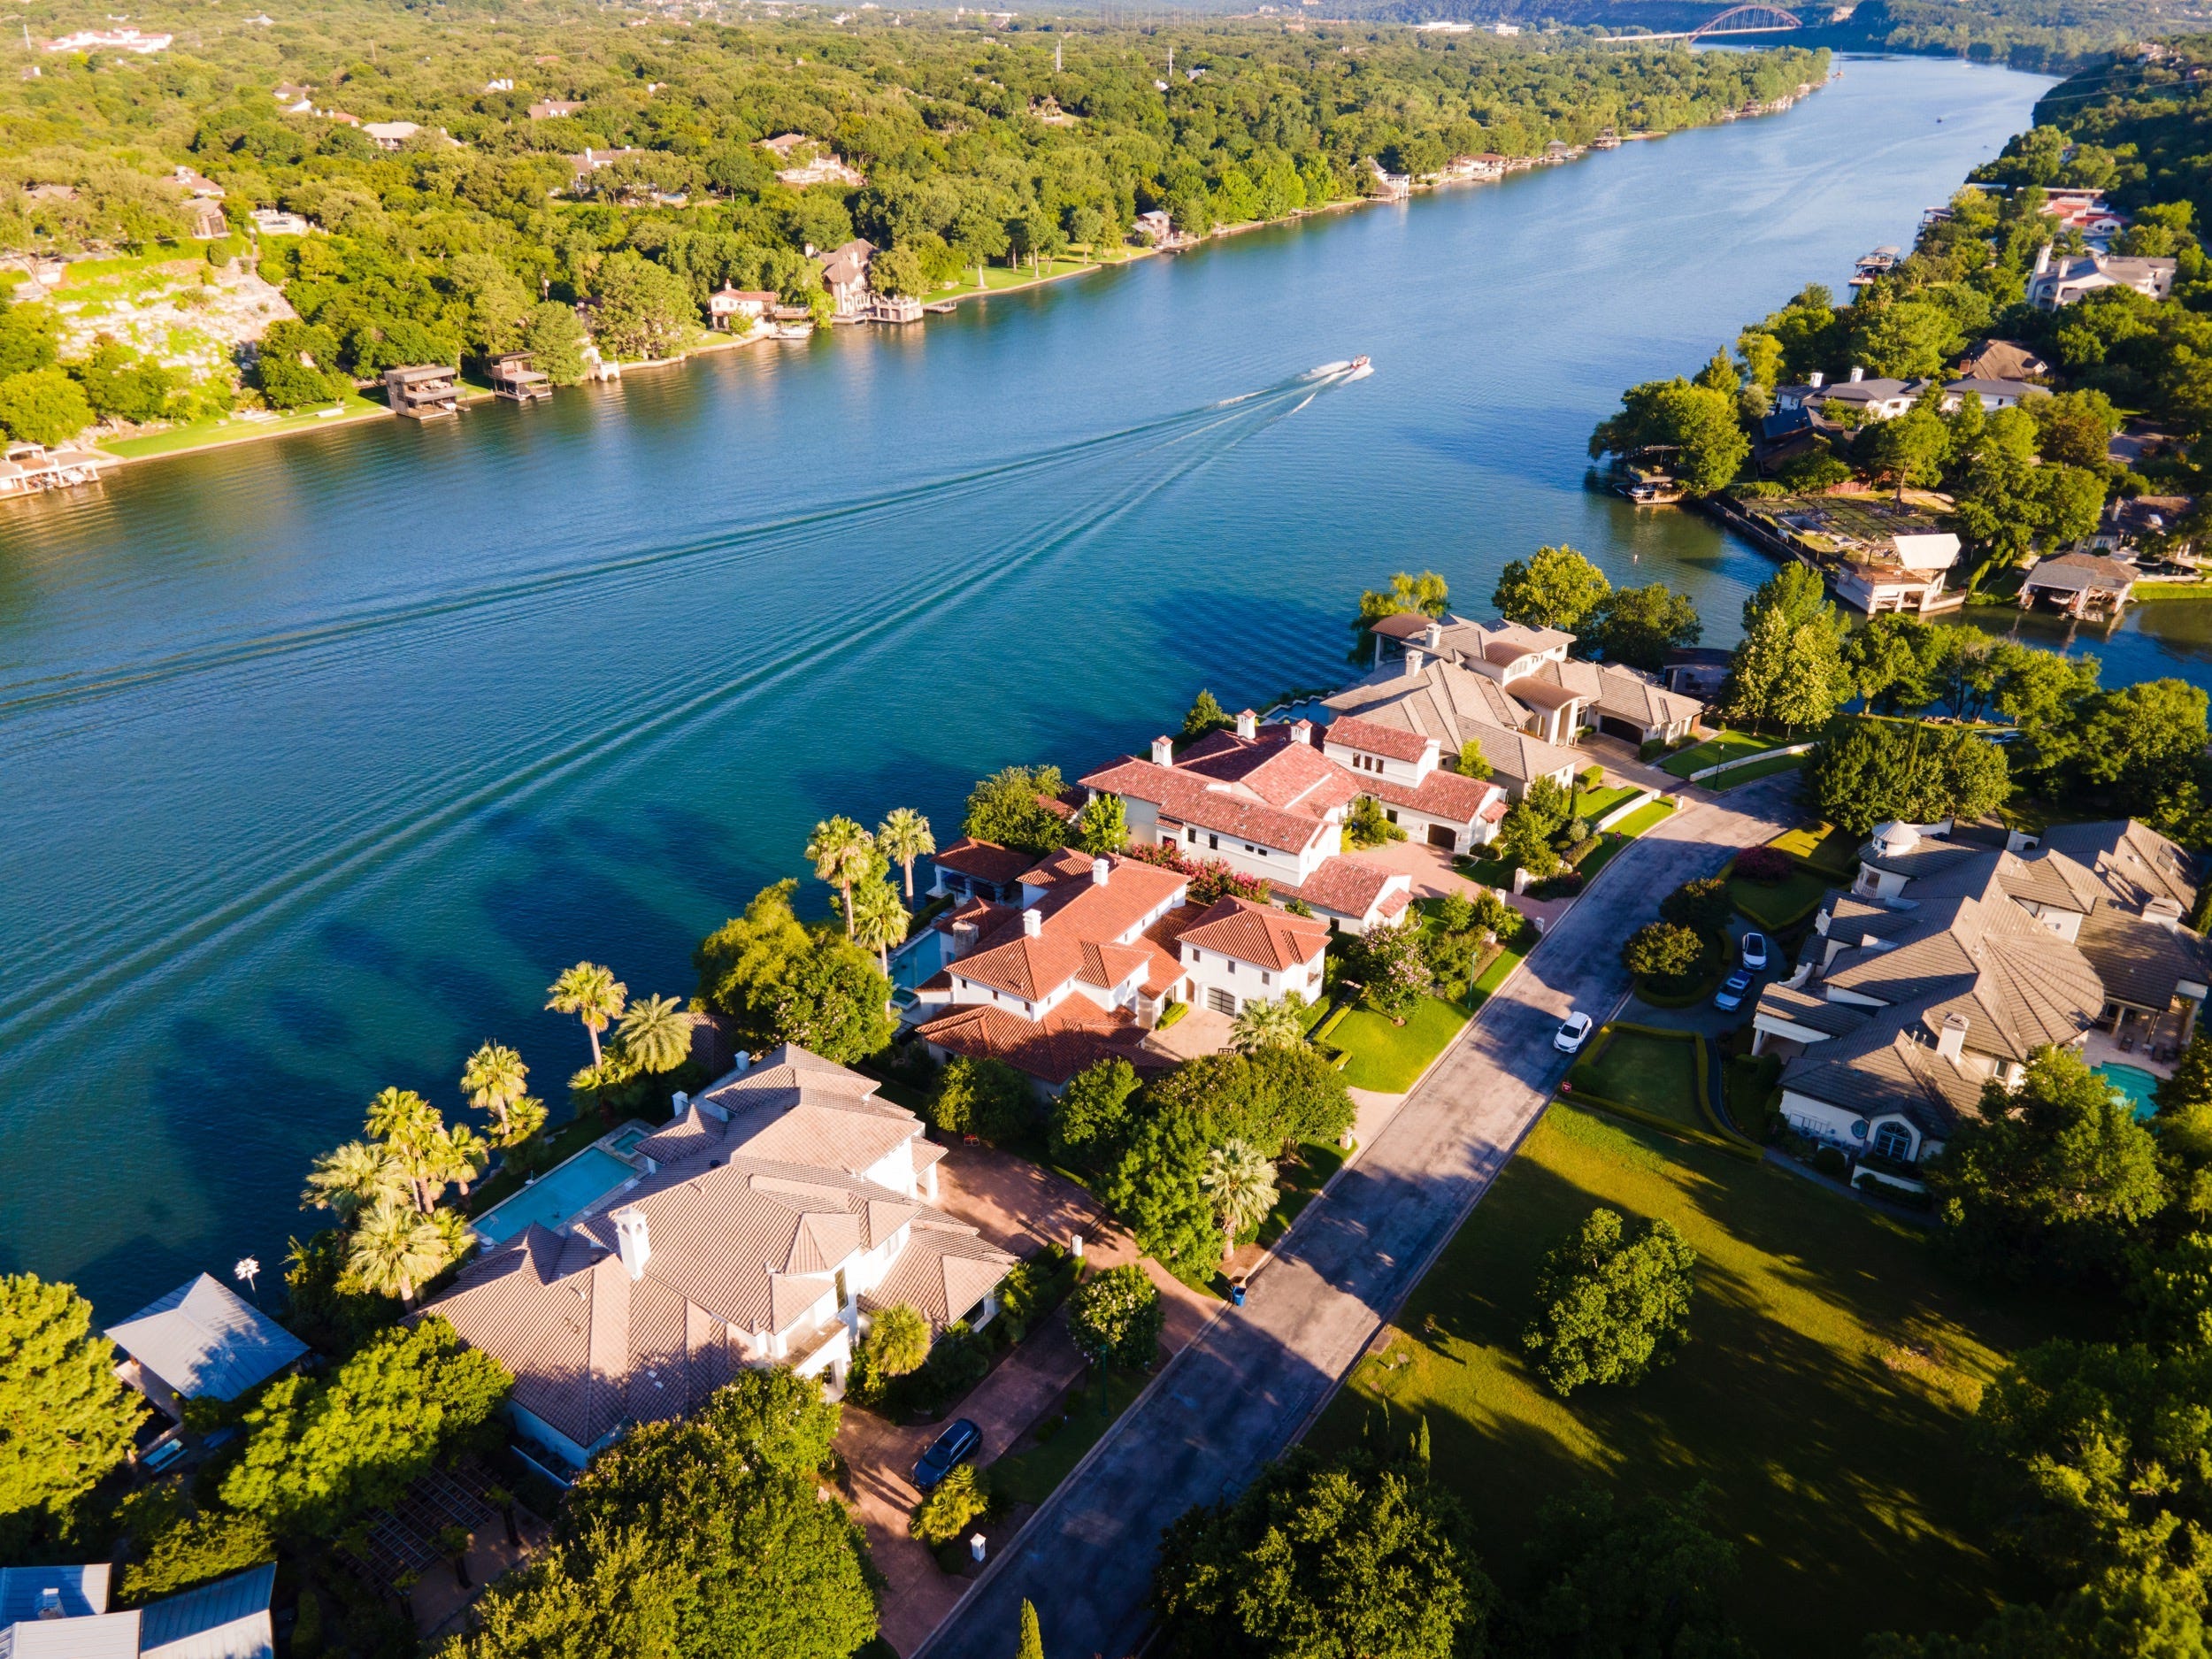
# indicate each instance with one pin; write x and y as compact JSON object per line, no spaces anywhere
{"x":1236,"y":951}
{"x":785,"y":1205}
{"x":1271,"y":804}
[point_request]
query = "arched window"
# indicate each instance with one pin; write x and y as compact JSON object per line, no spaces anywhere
{"x":1893,"y":1141}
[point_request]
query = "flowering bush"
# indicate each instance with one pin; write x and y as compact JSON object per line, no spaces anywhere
{"x":1160,"y":853}
{"x":1393,"y":967}
{"x":1212,"y":879}
{"x":1766,"y":865}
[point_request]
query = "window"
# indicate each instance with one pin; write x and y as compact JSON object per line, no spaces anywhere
{"x":1192,"y":836}
{"x":1263,"y":979}
{"x":1213,"y":843}
{"x":1229,"y":966}
{"x":843,"y":1300}
{"x":1893,"y":1141}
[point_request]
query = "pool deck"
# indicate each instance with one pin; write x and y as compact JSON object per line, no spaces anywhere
{"x":2102,"y":1049}
{"x":634,"y":1131}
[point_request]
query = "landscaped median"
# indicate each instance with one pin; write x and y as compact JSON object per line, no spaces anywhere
{"x":1658,"y":1078}
{"x":1729,"y":758}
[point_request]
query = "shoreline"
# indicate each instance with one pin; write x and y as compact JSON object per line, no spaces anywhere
{"x":469,"y":396}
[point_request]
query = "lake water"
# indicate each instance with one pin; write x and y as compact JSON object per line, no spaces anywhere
{"x":323,"y":756}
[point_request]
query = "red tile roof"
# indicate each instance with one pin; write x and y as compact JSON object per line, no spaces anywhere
{"x":1343,"y":886}
{"x":985,"y":860}
{"x":1185,"y":798}
{"x":1080,"y":924}
{"x":1258,"y":933}
{"x":1391,"y":740}
{"x":1280,"y":771}
{"x":1075,"y":1035}
{"x":1406,"y":625}
{"x":1444,"y":795}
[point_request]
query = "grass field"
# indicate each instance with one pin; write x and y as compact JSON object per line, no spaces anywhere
{"x":1296,"y":1185}
{"x":201,"y":433}
{"x":1832,"y":851}
{"x":1641,"y":820}
{"x":1792,"y":899}
{"x":1831,"y":1370}
{"x":1385,"y":1057}
{"x":1596,"y":803}
{"x":1756,"y":769}
{"x":1712,"y":751}
{"x":1031,"y":1475}
{"x":1651,"y":1075}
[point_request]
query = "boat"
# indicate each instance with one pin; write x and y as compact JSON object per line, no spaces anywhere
{"x":1361,"y":369}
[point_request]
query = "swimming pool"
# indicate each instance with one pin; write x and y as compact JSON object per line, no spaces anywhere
{"x":2132,"y":1081}
{"x":554,"y":1197}
{"x":919,"y":961}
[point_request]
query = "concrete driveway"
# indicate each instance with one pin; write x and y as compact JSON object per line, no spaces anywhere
{"x":1253,"y":1380}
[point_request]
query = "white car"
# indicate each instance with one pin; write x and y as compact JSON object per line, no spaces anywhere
{"x":1570,"y":1036}
{"x":1754,"y":952}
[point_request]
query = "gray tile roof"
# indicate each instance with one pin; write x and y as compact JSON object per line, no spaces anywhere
{"x":205,"y":1342}
{"x":1452,"y":705}
{"x":2142,"y":963}
{"x":1816,"y":1013}
{"x":2134,"y":861}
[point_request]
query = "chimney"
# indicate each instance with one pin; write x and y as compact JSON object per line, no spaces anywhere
{"x":632,"y":1240}
{"x":1432,"y":636}
{"x":1102,"y":871}
{"x":964,"y":938}
{"x":1302,"y":732}
{"x":1857,"y":374}
{"x":1414,"y":661}
{"x":1248,"y":725}
{"x":1815,"y":380}
{"x":1164,"y":751}
{"x":1951,"y":1041}
{"x":1033,"y":924}
{"x":1432,"y":752}
{"x":2165,"y":912}
{"x":2043,"y":259}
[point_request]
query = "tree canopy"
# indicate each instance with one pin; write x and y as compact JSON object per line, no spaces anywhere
{"x":65,"y":1418}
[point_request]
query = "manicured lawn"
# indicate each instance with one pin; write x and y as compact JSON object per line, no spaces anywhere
{"x":1824,"y":1395}
{"x":1597,"y":802}
{"x":1792,"y":899}
{"x":200,"y":433}
{"x":1833,"y":852}
{"x":1757,"y":769}
{"x":1490,"y":873}
{"x":1385,"y":1057}
{"x":1642,"y":819}
{"x":1296,"y":1185}
{"x":1030,"y":1476}
{"x":1712,"y":751}
{"x":1651,"y":1075}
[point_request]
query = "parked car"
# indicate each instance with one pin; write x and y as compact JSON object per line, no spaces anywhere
{"x":960,"y":1441}
{"x":1755,"y":953}
{"x":1732,"y":990}
{"x":1570,"y":1036}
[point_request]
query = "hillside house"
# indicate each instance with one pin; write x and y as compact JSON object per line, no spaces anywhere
{"x":736,"y":308}
{"x":2058,"y":282}
{"x":845,"y":274}
{"x":785,"y":1205}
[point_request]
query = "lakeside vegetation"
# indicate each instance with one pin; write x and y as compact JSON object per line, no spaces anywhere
{"x":642,"y":184}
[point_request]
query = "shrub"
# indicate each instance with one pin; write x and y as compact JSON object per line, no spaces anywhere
{"x":1566,"y":884}
{"x":952,"y":1503}
{"x":1116,"y":1317}
{"x":1610,"y":1307}
{"x":1393,"y":967}
{"x":985,"y":1098}
{"x":196,"y":1551}
{"x":1661,"y":950}
{"x":897,"y":1340}
{"x":1212,"y":879}
{"x":1702,"y":904}
{"x":1766,"y":865}
{"x":1367,"y":825}
{"x":1831,"y":1162}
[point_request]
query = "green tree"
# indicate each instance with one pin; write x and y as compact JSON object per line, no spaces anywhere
{"x":1116,"y":1317}
{"x":1864,"y":773}
{"x":1556,"y":588}
{"x":1523,"y":840}
{"x":1206,"y":715}
{"x":898,"y":1339}
{"x":1894,"y":660}
{"x":1639,"y":626}
{"x":1091,"y":1120}
{"x":295,"y":365}
{"x":1032,"y":1643}
{"x":555,"y":338}
{"x":43,"y":406}
{"x":1910,"y":451}
{"x":1366,"y":825}
{"x":1262,"y":1022}
{"x":1008,"y":809}
{"x":1647,"y":1579}
{"x":1472,"y":763}
{"x":903,"y":837}
{"x":1102,"y":826}
{"x":983,"y":1097}
{"x":196,"y":1550}
{"x":1240,"y":1178}
{"x":65,"y":1418}
{"x":1662,"y":950}
{"x":897,"y":271}
{"x":1325,"y":1559}
{"x":782,"y":982}
{"x":358,"y":1176}
{"x":841,"y":853}
{"x":593,"y":994}
{"x":1154,"y":1188}
{"x":2053,"y":1175}
{"x":643,"y":311}
{"x":322,"y":1450}
{"x":1703,"y":905}
{"x":1788,"y":670}
{"x":395,"y":1250}
{"x":1610,"y":1306}
{"x":1696,"y":426}
{"x":2141,"y":752}
{"x":1425,"y":595}
{"x":950,"y":1506}
{"x":2121,"y":1614}
{"x":496,"y":1081}
{"x":655,"y":1034}
{"x":1903,"y":340}
{"x":1394,"y":971}
{"x":880,"y":921}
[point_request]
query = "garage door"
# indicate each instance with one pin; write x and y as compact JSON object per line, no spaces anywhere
{"x":1440,"y":835}
{"x":1613,"y":726}
{"x":1221,"y":1001}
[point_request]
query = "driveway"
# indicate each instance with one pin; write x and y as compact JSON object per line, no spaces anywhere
{"x":1253,"y":1380}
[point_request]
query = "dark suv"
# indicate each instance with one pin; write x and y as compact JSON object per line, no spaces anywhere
{"x":956,"y":1445}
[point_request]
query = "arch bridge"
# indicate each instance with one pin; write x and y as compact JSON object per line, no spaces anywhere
{"x":1751,"y":20}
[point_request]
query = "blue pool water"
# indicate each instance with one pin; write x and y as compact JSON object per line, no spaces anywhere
{"x":919,"y":961}
{"x":556,"y":1196}
{"x":629,"y":1139}
{"x":2132,"y":1081}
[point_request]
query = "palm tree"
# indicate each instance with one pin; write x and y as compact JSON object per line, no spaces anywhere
{"x":1260,"y":1025}
{"x":841,"y":852}
{"x":1240,"y":1180}
{"x":593,"y":994}
{"x":453,"y":1236}
{"x":359,"y":1175}
{"x":657,"y":1033}
{"x":461,"y":1155}
{"x":493,"y":1079}
{"x":902,"y":838}
{"x":524,"y":1118}
{"x":413,"y":1135}
{"x":395,"y":1250}
{"x":880,"y":921}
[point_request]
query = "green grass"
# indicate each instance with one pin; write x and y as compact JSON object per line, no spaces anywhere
{"x":1030,"y":1476}
{"x":1792,"y":899}
{"x":1597,"y":802}
{"x":1296,"y":1185}
{"x":1825,"y":1392}
{"x":1749,"y":1080}
{"x":198,"y":433}
{"x":998,"y":277}
{"x":1647,"y":1073}
{"x":1642,"y":819}
{"x":1712,"y":751}
{"x":1757,"y":769}
{"x":2173,"y":590}
{"x":1832,"y":851}
{"x":1387,"y":1058}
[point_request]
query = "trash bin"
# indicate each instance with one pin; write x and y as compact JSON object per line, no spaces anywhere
{"x":1236,"y":1292}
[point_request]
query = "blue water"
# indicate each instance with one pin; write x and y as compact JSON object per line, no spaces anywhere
{"x":325,"y":755}
{"x":2133,"y":1083}
{"x":554,"y":1197}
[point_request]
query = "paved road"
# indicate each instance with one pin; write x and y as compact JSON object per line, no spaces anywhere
{"x":1245,"y":1389}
